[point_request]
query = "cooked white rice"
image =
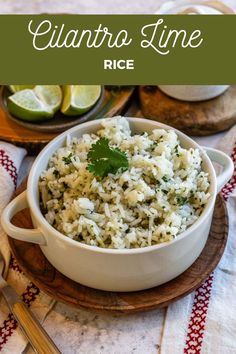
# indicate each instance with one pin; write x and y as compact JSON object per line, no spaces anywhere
{"x":161,"y":194}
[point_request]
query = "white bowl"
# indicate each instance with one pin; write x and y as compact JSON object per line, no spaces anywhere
{"x":112,"y":269}
{"x":193,"y":92}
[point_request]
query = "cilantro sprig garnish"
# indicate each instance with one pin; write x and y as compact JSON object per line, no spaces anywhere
{"x":105,"y":159}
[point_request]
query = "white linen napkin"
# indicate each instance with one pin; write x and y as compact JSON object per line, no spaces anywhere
{"x":10,"y":161}
{"x":11,"y":338}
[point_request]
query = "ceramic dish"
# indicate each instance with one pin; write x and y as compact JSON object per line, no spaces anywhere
{"x":59,"y":123}
{"x":109,"y":269}
{"x":193,"y":92}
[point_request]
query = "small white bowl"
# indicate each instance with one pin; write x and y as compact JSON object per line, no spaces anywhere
{"x":193,"y":92}
{"x":112,"y":269}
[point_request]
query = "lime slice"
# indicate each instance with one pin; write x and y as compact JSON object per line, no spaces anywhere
{"x":79,"y":99}
{"x":16,"y":88}
{"x":38,"y":104}
{"x":50,"y":95}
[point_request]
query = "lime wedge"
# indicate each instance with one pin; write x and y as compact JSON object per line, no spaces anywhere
{"x":16,"y":88}
{"x":79,"y":99}
{"x":34,"y":105}
{"x":50,"y":95}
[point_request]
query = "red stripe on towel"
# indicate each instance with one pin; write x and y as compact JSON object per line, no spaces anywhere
{"x":14,"y":265}
{"x":197,"y":321}
{"x":9,"y":166}
{"x":10,"y":324}
{"x":29,"y":295}
{"x":231,"y":185}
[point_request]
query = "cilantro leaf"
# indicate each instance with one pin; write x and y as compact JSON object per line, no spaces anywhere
{"x":165,"y":178}
{"x":104,"y":159}
{"x":181,"y":200}
{"x":67,"y":159}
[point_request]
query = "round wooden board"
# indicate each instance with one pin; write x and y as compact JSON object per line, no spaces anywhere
{"x":46,"y":277}
{"x":114,"y":101}
{"x":193,"y":118}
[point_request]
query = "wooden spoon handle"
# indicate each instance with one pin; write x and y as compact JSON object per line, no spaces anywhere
{"x":39,"y":339}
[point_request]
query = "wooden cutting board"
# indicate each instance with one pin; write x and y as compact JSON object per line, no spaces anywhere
{"x":34,"y":264}
{"x":193,"y":118}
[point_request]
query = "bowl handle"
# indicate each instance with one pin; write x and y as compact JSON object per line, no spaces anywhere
{"x":29,"y":235}
{"x":227,"y":166}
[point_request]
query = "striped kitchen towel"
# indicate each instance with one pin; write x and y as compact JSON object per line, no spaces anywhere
{"x":11,"y":339}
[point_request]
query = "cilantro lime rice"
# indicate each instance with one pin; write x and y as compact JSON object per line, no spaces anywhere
{"x":117,"y":190}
